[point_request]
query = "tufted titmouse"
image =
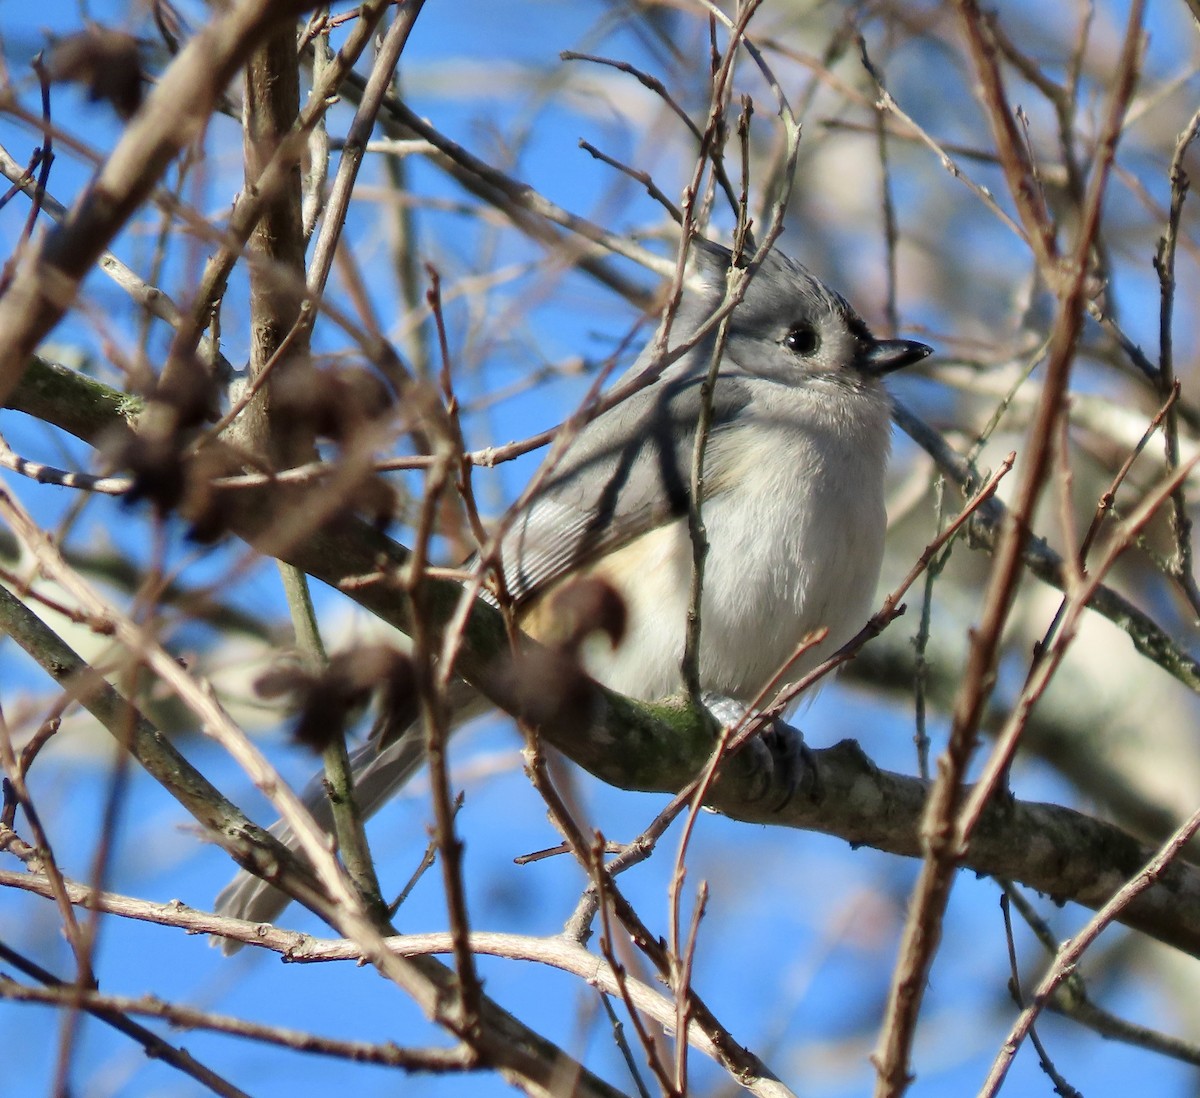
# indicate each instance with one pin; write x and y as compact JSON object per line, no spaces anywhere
{"x":794,"y":510}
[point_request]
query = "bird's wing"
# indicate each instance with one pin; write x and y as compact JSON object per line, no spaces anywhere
{"x":627,"y":473}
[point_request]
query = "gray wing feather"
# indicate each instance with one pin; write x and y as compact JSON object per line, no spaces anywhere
{"x":627,"y":473}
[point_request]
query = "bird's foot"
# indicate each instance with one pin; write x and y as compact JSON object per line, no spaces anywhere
{"x":780,"y":763}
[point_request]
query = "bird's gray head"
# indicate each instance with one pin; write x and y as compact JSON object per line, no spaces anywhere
{"x":790,"y":321}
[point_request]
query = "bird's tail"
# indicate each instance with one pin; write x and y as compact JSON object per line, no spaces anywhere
{"x":378,"y":776}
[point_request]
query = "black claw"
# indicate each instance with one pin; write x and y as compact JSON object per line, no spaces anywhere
{"x":777,"y":755}
{"x":782,"y":760}
{"x":794,"y":766}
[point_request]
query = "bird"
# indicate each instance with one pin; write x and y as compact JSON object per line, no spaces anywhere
{"x":793,"y":506}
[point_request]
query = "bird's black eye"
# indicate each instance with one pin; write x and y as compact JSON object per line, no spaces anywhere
{"x":802,"y":340}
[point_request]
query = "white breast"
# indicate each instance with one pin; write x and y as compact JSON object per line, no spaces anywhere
{"x":795,"y":524}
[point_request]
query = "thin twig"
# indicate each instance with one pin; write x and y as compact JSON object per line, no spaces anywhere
{"x":111,"y":1012}
{"x":1068,"y":956}
{"x":111,"y":1008}
{"x":1182,"y":566}
{"x":1061,"y":1086}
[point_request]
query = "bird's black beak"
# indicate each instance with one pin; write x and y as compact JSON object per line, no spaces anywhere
{"x":885,"y":355}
